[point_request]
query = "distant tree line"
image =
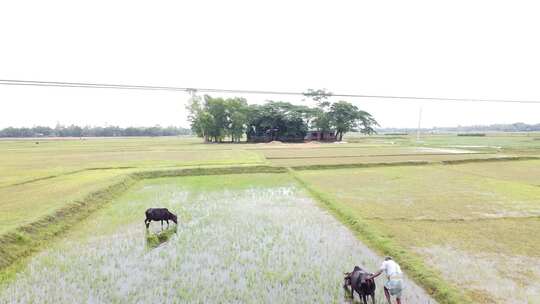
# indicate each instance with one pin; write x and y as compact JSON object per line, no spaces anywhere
{"x":77,"y":131}
{"x":514,"y":127}
{"x":216,"y":119}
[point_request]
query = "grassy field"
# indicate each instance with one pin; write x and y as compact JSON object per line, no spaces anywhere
{"x":483,"y":213}
{"x":24,"y":161}
{"x":522,"y":143}
{"x":23,"y":204}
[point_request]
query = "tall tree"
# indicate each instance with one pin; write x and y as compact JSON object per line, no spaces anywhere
{"x":205,"y":122}
{"x":194,"y":108}
{"x":346,"y":117}
{"x":217,"y":109}
{"x":320,"y":119}
{"x":237,"y":118}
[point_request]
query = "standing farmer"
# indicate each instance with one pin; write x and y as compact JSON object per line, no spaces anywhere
{"x":393,"y":273}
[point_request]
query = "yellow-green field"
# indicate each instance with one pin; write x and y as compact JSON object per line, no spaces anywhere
{"x":457,"y":228}
{"x":475,"y":226}
{"x":26,"y":160}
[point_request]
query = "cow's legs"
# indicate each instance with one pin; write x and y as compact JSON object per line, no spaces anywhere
{"x":167,"y":224}
{"x":147,"y":223}
{"x":161,"y":224}
{"x":373,"y":298}
{"x":364,"y":299}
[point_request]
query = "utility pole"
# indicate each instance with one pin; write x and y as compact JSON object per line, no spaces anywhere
{"x":419,"y":124}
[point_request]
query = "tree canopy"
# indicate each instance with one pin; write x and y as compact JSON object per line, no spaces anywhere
{"x":345,"y":117}
{"x":215,"y":119}
{"x":277,"y":120}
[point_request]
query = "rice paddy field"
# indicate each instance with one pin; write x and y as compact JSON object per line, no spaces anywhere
{"x":460,"y":214}
{"x":256,"y":239}
{"x":477,"y":227}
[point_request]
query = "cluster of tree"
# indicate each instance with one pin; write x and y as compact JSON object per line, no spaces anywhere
{"x":515,"y":127}
{"x":215,"y":119}
{"x":77,"y":131}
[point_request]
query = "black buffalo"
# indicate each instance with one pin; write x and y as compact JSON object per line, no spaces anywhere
{"x":159,"y":214}
{"x":358,"y":281}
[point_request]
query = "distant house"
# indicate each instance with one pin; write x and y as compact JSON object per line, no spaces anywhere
{"x":321,"y":136}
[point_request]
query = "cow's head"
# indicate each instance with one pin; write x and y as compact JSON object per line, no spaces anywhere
{"x":174,"y":218}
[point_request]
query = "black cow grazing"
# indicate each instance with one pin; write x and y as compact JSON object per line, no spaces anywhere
{"x":357,"y":281}
{"x":159,"y":214}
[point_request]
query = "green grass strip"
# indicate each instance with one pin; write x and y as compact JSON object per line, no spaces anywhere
{"x":360,"y":165}
{"x":208,"y":171}
{"x":66,"y":173}
{"x":491,"y":159}
{"x":412,"y":163}
{"x":431,"y":280}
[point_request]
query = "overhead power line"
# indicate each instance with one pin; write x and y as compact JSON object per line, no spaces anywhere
{"x":240,"y":91}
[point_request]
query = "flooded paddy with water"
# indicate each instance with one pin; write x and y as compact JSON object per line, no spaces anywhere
{"x":252,"y":238}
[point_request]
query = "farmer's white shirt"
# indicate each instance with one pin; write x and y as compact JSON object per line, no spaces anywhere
{"x":391,"y":269}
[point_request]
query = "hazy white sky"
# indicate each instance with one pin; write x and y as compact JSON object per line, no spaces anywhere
{"x":472,"y":49}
